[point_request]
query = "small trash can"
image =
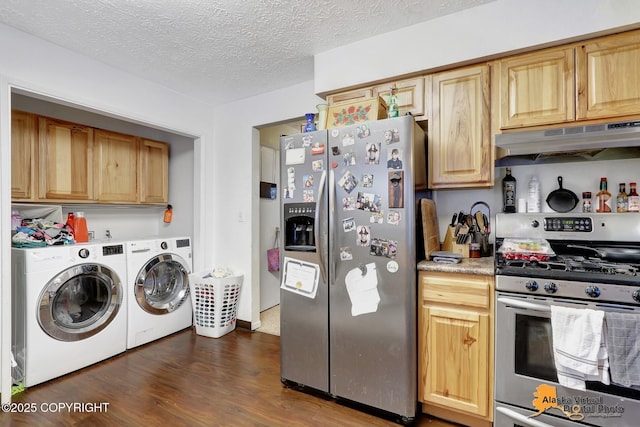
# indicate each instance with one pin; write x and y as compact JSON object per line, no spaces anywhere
{"x":215,"y":302}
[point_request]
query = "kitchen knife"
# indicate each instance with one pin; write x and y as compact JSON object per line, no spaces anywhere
{"x":453,"y":219}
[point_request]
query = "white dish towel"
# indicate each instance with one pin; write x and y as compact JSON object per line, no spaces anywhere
{"x":579,"y":346}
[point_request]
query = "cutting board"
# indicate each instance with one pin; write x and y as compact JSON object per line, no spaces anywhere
{"x":430,"y":228}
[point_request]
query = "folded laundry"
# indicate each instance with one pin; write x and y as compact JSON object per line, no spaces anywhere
{"x":623,"y":330}
{"x":38,"y":232}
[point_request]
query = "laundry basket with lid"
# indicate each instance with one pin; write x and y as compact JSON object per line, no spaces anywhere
{"x":215,"y":302}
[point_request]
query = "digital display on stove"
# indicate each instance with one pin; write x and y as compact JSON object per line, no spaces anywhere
{"x":564,"y":224}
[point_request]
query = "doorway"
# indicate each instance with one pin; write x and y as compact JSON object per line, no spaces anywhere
{"x":270,"y":218}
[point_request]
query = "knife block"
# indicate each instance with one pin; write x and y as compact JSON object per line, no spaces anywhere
{"x":449,"y":244}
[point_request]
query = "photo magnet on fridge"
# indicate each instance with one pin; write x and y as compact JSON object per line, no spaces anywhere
{"x":391,"y":136}
{"x":395,"y":159}
{"x":317,"y":148}
{"x":396,"y":189}
{"x":363,"y":235}
{"x":347,"y":139}
{"x":363,"y":131}
{"x":373,"y":154}
{"x":345,"y":253}
{"x":348,"y":182}
{"x":376,"y":217}
{"x":393,"y":217}
{"x":348,"y":203}
{"x":335,"y":150}
{"x":367,"y":180}
{"x":348,"y":224}
{"x":383,"y":247}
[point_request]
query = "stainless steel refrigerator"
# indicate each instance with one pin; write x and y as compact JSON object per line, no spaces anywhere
{"x":348,"y":269}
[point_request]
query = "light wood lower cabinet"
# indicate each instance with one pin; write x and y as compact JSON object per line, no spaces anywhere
{"x":455,"y":340}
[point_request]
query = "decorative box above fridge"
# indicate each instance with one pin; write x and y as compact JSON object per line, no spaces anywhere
{"x":363,"y":110}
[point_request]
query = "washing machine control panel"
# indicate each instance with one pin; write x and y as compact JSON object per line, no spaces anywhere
{"x":164,"y":245}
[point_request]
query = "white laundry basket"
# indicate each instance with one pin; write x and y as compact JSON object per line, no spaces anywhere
{"x":215,"y":302}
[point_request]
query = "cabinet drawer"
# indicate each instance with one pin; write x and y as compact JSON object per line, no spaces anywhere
{"x":459,"y":289}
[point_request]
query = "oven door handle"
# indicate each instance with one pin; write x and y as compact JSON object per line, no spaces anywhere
{"x":524,"y":304}
{"x":521,"y":419}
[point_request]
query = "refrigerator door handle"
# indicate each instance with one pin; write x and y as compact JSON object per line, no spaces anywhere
{"x":316,"y":228}
{"x":332,"y":209}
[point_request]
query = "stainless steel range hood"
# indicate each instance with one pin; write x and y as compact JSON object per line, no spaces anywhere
{"x":578,"y":143}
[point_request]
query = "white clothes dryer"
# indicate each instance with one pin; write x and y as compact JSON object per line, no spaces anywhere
{"x":158,"y":288}
{"x":69,"y":308}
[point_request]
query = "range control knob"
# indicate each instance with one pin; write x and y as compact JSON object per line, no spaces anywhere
{"x":592,"y":291}
{"x":550,"y":287}
{"x":83,"y":253}
{"x":535,"y":223}
{"x":531,"y":285}
{"x":636,"y":295}
{"x":164,"y":245}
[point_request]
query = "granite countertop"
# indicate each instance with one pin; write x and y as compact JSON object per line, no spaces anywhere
{"x":482,"y":266}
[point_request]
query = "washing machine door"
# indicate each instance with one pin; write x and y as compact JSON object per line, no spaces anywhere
{"x":162,"y":284}
{"x":79,"y":302}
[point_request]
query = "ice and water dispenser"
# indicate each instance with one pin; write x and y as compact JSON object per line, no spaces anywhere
{"x":299,"y":221}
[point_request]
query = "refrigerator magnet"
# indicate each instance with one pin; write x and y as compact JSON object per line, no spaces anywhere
{"x":307,"y":139}
{"x":288,"y":143}
{"x":363,"y":238}
{"x":348,"y":224}
{"x":348,"y":182}
{"x":395,"y":159}
{"x":307,"y":180}
{"x":391,"y":136}
{"x":345,"y":253}
{"x":317,"y":148}
{"x":367,"y":180}
{"x":383,"y":247}
{"x":369,"y":202}
{"x":376,"y":217}
{"x":347,"y":139}
{"x":396,"y":189}
{"x":393,"y":217}
{"x":307,"y":196}
{"x":317,"y":165}
{"x":348,"y":203}
{"x":392,"y":266}
{"x":335,"y":150}
{"x":294,"y":156}
{"x":363,"y":131}
{"x":349,"y":159}
{"x":335,"y":133}
{"x":373,"y":154}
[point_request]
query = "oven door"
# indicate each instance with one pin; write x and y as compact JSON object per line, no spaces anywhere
{"x":524,"y":362}
{"x":512,"y":416}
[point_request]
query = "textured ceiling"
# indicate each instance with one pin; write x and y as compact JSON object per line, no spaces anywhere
{"x":216,"y":50}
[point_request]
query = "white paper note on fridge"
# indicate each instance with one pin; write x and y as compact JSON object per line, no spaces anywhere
{"x":362,"y":285}
{"x":300,"y":277}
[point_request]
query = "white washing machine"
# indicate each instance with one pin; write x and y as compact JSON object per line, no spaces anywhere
{"x":158,"y":288}
{"x":69,"y":308}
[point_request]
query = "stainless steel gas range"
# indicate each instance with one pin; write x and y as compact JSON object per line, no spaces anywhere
{"x":583,"y":261}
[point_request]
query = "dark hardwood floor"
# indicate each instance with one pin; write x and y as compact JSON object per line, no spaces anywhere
{"x":188,"y":380}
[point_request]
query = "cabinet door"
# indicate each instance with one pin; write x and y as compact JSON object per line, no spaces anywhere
{"x":352,"y":95}
{"x":116,"y":165}
{"x":410,"y":95}
{"x":537,"y":89}
{"x":607,"y":76}
{"x":65,"y":161}
{"x":457,"y":359}
{"x":154,"y":171}
{"x":459,"y":143}
{"x":23,"y":143}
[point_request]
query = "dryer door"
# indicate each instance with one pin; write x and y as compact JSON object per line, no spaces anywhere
{"x":79,"y":302}
{"x":162,"y":285}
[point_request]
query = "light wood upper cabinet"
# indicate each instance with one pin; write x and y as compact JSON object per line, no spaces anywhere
{"x":154,"y":171}
{"x":352,"y":95}
{"x":536,"y":88}
{"x":65,"y":154}
{"x":410,"y":95}
{"x":116,"y":166}
{"x":455,"y":340}
{"x":23,"y":144}
{"x":459,"y":139}
{"x":607,"y":76}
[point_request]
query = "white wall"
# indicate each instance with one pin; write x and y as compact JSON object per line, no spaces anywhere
{"x":489,"y":29}
{"x":35,"y":66}
{"x":234,"y":172}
